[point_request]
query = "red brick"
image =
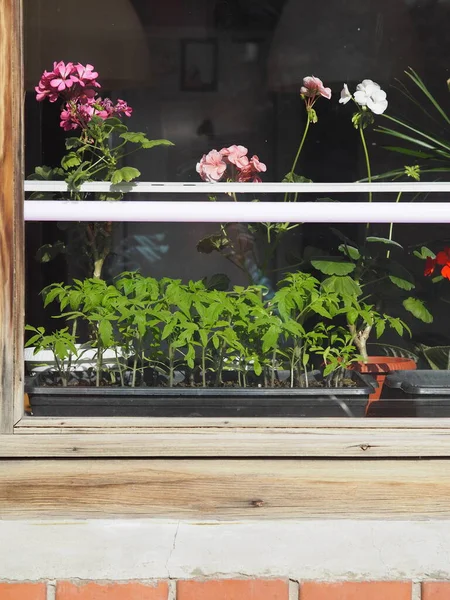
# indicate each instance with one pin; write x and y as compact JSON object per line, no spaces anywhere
{"x":23,"y":591}
{"x":111,"y":591}
{"x":365,"y":590}
{"x":435,"y":590}
{"x":233,"y":589}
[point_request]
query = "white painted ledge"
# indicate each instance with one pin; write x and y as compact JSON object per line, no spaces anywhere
{"x":154,"y":549}
{"x":237,"y":212}
{"x":163,"y":187}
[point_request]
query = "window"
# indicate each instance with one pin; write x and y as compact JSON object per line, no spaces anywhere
{"x":310,"y":260}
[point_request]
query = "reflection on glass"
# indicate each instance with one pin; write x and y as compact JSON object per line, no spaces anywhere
{"x":289,"y":319}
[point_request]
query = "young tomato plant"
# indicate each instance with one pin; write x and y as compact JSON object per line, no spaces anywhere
{"x":137,"y":325}
{"x":61,"y":343}
{"x":214,"y":309}
{"x":94,"y":302}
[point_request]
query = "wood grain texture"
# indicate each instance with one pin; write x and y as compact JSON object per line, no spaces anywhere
{"x":365,"y":443}
{"x":224,"y":489}
{"x":11,"y":202}
{"x":63,"y":425}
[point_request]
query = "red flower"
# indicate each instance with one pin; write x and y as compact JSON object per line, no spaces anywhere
{"x":442,"y":259}
{"x":429,"y":266}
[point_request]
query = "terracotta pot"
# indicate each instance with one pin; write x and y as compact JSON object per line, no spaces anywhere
{"x":380,"y":366}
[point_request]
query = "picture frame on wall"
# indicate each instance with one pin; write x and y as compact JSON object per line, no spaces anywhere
{"x":199,"y":58}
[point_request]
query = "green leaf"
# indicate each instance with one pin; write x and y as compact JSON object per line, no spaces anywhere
{"x":424,"y":253}
{"x":293,"y":178}
{"x":154,"y":143}
{"x":342,"y":236}
{"x":125,"y":174}
{"x":345,"y":286}
{"x":73,"y":142}
{"x":203,"y":337}
{"x":168,"y":329}
{"x":380,"y":240}
{"x":420,"y":84}
{"x":190,"y":356}
{"x":111,"y":196}
{"x":320,"y":310}
{"x":402,"y":283}
{"x":48,"y":251}
{"x":333,"y":266}
{"x":438,"y":357}
{"x":352,"y":315}
{"x":417,"y":308}
{"x":140,"y":138}
{"x":379,"y":328}
{"x":409,"y":152}
{"x":270,"y":338}
{"x":70,"y":160}
{"x":257,"y":366}
{"x":112,"y":121}
{"x":219,"y":281}
{"x":350,"y":251}
{"x":395,"y":324}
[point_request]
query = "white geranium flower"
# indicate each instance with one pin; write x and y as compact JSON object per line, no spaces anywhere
{"x":368,"y":93}
{"x":345,"y":95}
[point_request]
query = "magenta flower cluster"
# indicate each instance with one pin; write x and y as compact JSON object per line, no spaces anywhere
{"x":231,"y":163}
{"x":75,"y":84}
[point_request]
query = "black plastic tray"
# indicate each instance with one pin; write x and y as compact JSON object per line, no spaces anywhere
{"x":201,"y":402}
{"x":419,"y":383}
{"x":421,"y":393}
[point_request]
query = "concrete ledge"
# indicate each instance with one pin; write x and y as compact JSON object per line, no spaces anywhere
{"x":126,"y":549}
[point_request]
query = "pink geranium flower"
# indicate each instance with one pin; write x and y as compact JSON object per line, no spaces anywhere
{"x":233,"y":162}
{"x":67,"y":81}
{"x":64,"y":76}
{"x":212,"y":166}
{"x":313,"y":87}
{"x":311,"y":90}
{"x":257,"y":165}
{"x":44,"y":89}
{"x":86,"y":75}
{"x":67,"y":121}
{"x":236,"y":155}
{"x":122,"y":107}
{"x":250,"y":172}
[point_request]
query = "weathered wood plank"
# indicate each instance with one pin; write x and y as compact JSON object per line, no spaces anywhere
{"x":11,"y":202}
{"x":364,"y":443}
{"x":225,"y":489}
{"x":63,"y":425}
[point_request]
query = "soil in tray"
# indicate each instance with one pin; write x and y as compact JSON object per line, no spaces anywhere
{"x":88,"y":379}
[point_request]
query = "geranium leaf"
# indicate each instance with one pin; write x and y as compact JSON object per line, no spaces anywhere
{"x":293,"y":178}
{"x":381,"y":240}
{"x":402,"y":283}
{"x":333,"y":266}
{"x":124,"y":174}
{"x":350,"y":251}
{"x":417,"y":308}
{"x":346,"y":286}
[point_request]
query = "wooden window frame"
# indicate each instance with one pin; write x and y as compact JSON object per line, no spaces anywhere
{"x":22,"y":436}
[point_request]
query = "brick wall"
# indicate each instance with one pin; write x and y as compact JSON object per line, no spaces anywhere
{"x":226,"y":589}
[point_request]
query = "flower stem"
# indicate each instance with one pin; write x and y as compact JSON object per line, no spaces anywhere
{"x":391,"y":226}
{"x":366,"y":154}
{"x":305,"y":132}
{"x":299,"y":151}
{"x":369,"y":172}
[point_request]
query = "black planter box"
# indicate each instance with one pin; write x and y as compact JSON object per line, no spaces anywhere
{"x":201,"y":402}
{"x":422,"y":393}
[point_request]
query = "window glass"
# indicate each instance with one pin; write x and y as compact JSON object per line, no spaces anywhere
{"x":232,"y":318}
